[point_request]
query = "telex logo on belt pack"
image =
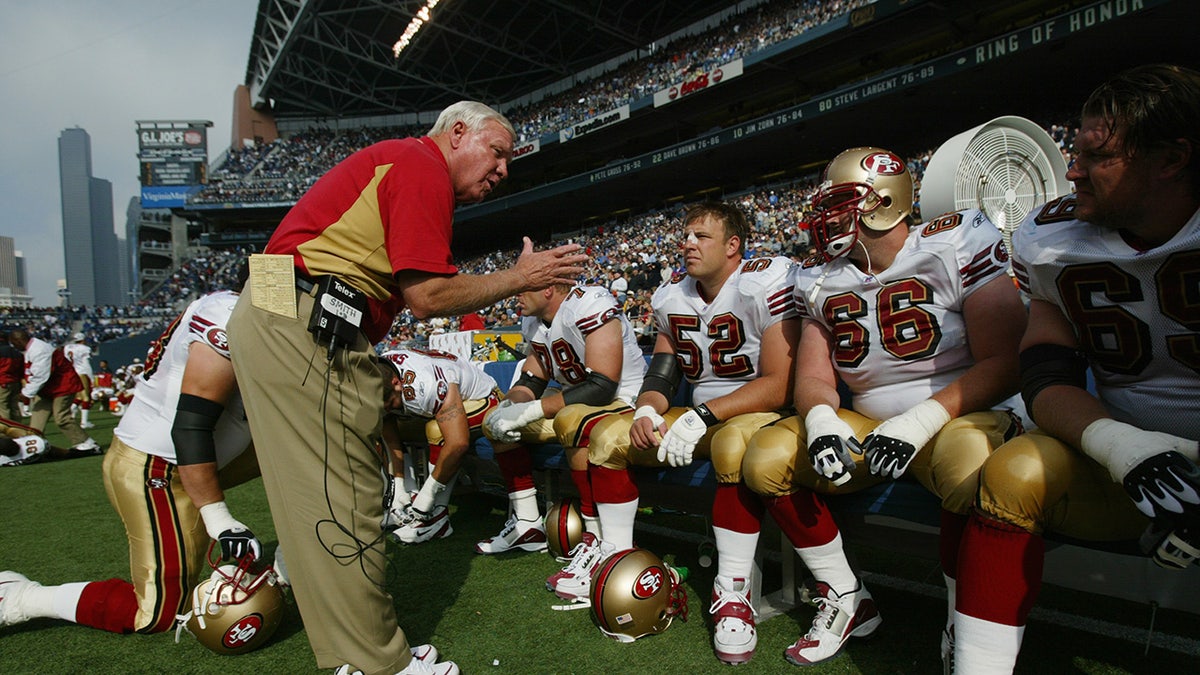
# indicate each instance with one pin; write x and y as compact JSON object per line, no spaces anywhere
{"x":337,"y":313}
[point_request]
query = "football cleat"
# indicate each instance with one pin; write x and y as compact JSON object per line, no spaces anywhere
{"x":839,"y":618}
{"x":13,"y":586}
{"x":424,"y":661}
{"x":418,"y":526}
{"x":574,"y":582}
{"x":525,"y":535}
{"x":90,"y":446}
{"x":734,"y":635}
{"x":948,"y":651}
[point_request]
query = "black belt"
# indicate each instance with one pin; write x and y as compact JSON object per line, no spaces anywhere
{"x":304,"y":283}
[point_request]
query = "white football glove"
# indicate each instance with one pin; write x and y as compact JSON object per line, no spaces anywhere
{"x":236,"y":539}
{"x":680,"y":442}
{"x":506,"y":419}
{"x":891,"y":447}
{"x":830,"y":442}
{"x":1158,"y":470}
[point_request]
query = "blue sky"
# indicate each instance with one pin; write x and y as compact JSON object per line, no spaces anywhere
{"x":102,"y":66}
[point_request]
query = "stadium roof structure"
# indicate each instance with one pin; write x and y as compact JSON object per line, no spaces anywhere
{"x":334,"y":57}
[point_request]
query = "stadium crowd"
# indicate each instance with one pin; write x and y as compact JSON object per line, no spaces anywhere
{"x":285,"y":169}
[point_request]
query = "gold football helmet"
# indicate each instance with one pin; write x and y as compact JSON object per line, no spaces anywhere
{"x":871,"y":186}
{"x":634,"y":593}
{"x":236,"y":609}
{"x":564,"y":527}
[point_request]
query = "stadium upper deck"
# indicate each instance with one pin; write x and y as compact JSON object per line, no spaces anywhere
{"x":903,"y":74}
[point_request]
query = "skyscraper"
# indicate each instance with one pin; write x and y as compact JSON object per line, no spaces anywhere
{"x":89,"y":242}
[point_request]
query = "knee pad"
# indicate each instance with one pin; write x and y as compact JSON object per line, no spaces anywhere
{"x":1023,"y":479}
{"x":769,"y":464}
{"x":608,"y":443}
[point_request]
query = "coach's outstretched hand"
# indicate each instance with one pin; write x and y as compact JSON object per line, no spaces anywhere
{"x":541,"y":269}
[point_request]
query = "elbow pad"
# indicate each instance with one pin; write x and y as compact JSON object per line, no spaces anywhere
{"x":1047,"y":365}
{"x":596,"y":390}
{"x":192,"y":430}
{"x":535,"y":384}
{"x":662,"y":376}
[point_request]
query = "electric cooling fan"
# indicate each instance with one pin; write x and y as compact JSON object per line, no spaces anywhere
{"x":1005,"y":168}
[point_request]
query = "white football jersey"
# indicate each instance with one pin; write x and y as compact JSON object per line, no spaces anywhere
{"x":80,"y":356}
{"x":718,"y":344}
{"x":900,"y":335}
{"x":1135,"y":312}
{"x":146,"y":425}
{"x":426,"y":377}
{"x":30,"y":448}
{"x":560,"y":347}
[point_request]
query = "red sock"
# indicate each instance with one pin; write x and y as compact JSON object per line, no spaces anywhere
{"x":737,"y":508}
{"x":949,"y":541}
{"x":804,"y":518}
{"x":516,"y":466}
{"x":612,"y":486}
{"x":112,"y":606}
{"x":435,"y":452}
{"x":583,"y":483}
{"x":999,"y":571}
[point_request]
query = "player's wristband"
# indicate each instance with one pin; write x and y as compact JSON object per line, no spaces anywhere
{"x":706,"y":415}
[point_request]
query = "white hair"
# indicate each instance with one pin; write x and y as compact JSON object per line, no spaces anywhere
{"x":472,"y":113}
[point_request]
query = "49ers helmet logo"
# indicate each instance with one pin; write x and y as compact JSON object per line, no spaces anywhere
{"x":648,"y":582}
{"x":243,"y":631}
{"x":884,"y":164}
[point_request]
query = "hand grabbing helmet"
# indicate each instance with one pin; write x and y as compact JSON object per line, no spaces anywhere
{"x":870,"y":186}
{"x":235,"y":610}
{"x":634,"y":593}
{"x":564,"y":527}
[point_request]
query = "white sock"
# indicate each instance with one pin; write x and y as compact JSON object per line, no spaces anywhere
{"x":951,"y":594}
{"x":828,"y":563}
{"x":83,"y":415}
{"x":982,"y":647}
{"x":616,"y":520}
{"x":400,"y":496}
{"x":592,"y":524}
{"x":425,"y":499}
{"x":53,"y":602}
{"x":443,"y":498}
{"x":735,"y":553}
{"x":524,"y":504}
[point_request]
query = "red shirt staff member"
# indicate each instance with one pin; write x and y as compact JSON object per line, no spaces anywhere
{"x":50,"y":385}
{"x":12,"y":370}
{"x":381,"y":223}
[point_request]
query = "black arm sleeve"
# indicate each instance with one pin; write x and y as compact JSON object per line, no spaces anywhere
{"x":662,"y":376}
{"x":192,"y":430}
{"x":597,"y":389}
{"x":535,"y":384}
{"x":1046,"y":365}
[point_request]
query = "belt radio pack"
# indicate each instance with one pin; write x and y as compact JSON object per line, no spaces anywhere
{"x":337,"y":313}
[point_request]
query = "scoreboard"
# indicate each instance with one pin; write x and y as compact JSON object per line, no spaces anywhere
{"x":173,"y":160}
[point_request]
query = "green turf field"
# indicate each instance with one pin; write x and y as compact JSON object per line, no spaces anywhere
{"x":492,"y":614}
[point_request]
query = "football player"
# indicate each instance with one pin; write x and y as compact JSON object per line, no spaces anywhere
{"x":438,"y":399}
{"x":183,"y":440}
{"x":579,"y":337}
{"x":51,"y":384}
{"x":20,"y":444}
{"x":730,"y":327}
{"x":921,"y":322}
{"x":80,"y":355}
{"x":1111,"y":272}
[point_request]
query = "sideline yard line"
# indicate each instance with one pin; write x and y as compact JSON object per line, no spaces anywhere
{"x":1174,"y":643}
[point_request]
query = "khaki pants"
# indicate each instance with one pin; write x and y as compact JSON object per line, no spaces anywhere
{"x":42,"y":409}
{"x":311,"y":446}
